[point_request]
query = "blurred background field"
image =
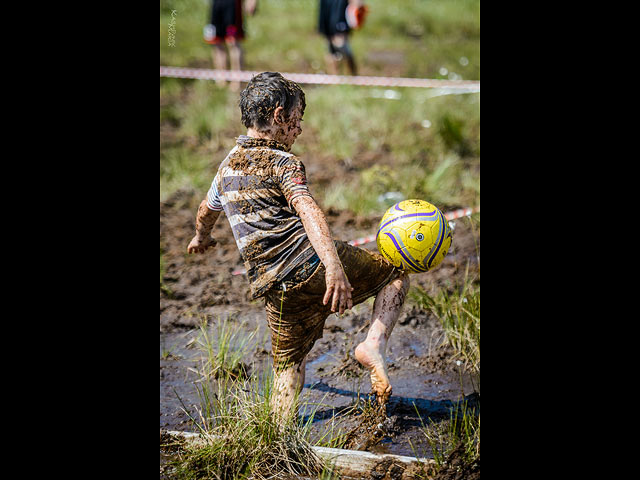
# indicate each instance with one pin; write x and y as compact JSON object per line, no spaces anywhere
{"x":364,"y":147}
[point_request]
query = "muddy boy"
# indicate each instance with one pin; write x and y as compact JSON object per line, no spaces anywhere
{"x":291,"y":258}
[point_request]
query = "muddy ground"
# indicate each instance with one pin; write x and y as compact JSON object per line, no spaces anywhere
{"x":425,"y":377}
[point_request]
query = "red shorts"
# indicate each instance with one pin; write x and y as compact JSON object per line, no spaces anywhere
{"x":231,"y":35}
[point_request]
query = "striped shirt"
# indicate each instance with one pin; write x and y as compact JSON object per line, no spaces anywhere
{"x":255,"y":185}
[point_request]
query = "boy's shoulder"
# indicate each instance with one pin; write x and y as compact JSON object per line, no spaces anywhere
{"x":271,"y":146}
{"x":251,"y":153}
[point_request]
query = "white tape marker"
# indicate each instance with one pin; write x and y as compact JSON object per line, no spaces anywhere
{"x":463,"y":86}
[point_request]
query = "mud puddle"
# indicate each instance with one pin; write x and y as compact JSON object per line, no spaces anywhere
{"x":426,"y":381}
{"x":425,"y":378}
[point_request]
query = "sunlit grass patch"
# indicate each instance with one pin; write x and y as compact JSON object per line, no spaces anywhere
{"x":380,"y":186}
{"x":425,"y":146}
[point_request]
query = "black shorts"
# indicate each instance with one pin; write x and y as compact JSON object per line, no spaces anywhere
{"x":226,"y":17}
{"x":332,"y":18}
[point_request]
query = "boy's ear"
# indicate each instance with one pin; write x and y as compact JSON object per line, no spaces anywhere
{"x":278,"y":115}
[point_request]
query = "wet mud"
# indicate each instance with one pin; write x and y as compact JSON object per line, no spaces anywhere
{"x":422,"y":367}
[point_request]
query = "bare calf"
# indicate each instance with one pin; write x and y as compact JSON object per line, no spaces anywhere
{"x":370,"y":353}
{"x":287,"y":385}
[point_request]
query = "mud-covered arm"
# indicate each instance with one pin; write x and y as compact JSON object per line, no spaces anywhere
{"x":315,"y":224}
{"x":205,"y":220}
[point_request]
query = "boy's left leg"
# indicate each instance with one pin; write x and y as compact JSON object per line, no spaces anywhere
{"x":371,"y":352}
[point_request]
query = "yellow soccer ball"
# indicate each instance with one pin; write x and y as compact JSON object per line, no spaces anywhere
{"x":414,"y":236}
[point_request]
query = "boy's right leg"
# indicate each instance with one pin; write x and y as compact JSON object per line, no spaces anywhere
{"x":370,"y":353}
{"x":287,"y":385}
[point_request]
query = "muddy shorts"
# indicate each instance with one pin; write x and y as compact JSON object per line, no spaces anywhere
{"x":296,"y":315}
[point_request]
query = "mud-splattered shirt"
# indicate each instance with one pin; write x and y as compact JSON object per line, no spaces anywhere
{"x":255,"y":185}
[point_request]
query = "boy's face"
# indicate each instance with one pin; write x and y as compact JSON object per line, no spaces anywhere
{"x":289,"y":128}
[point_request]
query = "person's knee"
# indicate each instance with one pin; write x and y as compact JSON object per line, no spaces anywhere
{"x":404,"y":280}
{"x":403,"y":284}
{"x":339,"y":46}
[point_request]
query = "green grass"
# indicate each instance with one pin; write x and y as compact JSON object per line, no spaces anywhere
{"x":460,"y":432}
{"x":198,"y":123}
{"x":242,"y":438}
{"x":225,"y":346}
{"x":427,"y":146}
{"x":459,"y":314}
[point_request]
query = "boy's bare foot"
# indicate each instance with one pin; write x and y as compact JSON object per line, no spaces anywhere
{"x":371,"y":358}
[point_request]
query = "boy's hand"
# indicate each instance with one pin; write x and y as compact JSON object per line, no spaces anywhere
{"x":338,"y":290}
{"x":200,"y":244}
{"x":315,"y":225}
{"x":205,"y":220}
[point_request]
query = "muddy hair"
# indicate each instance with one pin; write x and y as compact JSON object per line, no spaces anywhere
{"x":264,"y":93}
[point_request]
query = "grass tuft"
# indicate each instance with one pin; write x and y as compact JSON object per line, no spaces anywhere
{"x":224,"y":349}
{"x":459,"y":434}
{"x":242,"y":437}
{"x":459,"y":315}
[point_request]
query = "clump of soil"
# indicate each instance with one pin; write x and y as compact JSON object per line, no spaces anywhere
{"x":369,"y":429}
{"x":458,"y":468}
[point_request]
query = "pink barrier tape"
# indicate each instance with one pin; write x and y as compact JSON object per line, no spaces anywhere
{"x":461,"y":212}
{"x":322,"y":79}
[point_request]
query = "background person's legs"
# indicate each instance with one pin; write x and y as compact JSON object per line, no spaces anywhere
{"x":219,"y":54}
{"x":340,"y":50}
{"x":332,"y":64}
{"x":370,"y":353}
{"x":236,"y":62}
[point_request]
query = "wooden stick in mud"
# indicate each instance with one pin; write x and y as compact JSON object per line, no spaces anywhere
{"x":345,"y":460}
{"x":359,"y":461}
